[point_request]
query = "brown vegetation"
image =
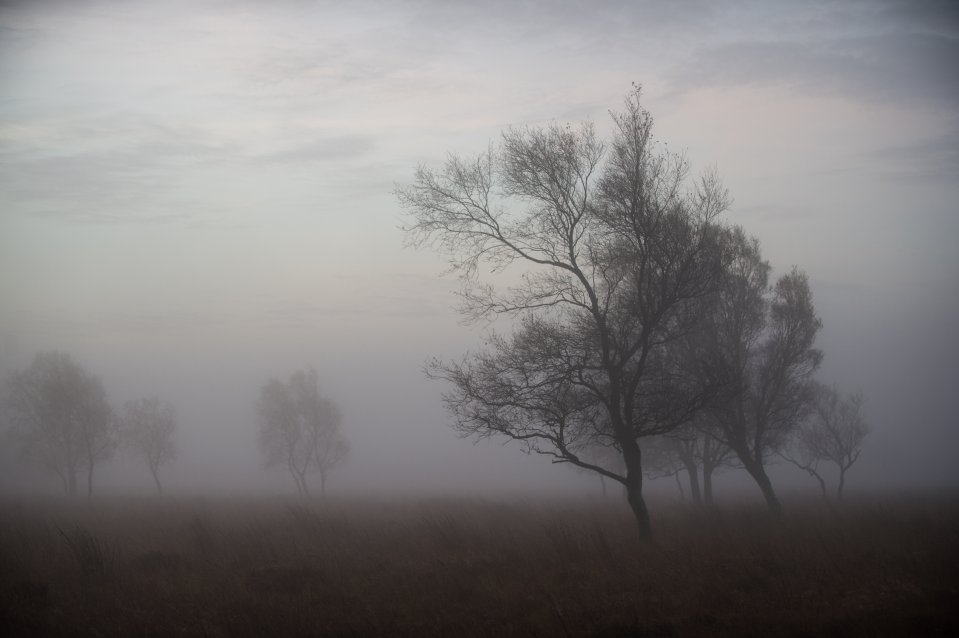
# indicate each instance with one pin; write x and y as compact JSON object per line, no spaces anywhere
{"x":474,"y":568}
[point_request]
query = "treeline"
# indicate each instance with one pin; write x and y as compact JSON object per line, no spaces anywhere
{"x":59,"y":418}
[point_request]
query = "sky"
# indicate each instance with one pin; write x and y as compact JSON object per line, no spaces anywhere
{"x":198,"y":196}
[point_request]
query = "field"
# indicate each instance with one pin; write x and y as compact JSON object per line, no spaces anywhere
{"x":475,"y":568}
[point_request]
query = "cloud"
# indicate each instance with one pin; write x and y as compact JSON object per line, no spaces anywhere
{"x":904,"y":67}
{"x":937,"y":15}
{"x":930,"y":158}
{"x":331,"y":148}
{"x":105,"y":169}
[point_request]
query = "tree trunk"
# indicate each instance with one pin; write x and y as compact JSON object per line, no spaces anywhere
{"x":822,"y":484}
{"x":693,"y":473}
{"x":63,"y":482}
{"x":708,"y":485}
{"x":633,"y":459}
{"x":156,"y":479}
{"x":679,"y":484}
{"x":296,"y":479}
{"x":634,"y":495}
{"x":602,"y":482}
{"x":842,"y":481}
{"x":688,"y":459}
{"x":758,"y":472}
{"x":90,"y":482}
{"x":322,"y":484}
{"x":306,"y":488}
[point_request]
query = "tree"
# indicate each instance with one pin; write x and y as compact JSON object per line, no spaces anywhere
{"x":61,"y":418}
{"x":615,"y":254}
{"x":760,"y":339}
{"x":300,"y":429}
{"x":148,"y":426}
{"x":834,"y":433}
{"x":803,"y":453}
{"x":660,"y":461}
{"x":700,"y":454}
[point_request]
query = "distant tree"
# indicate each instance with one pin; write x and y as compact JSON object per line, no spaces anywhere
{"x":617,"y":253}
{"x":834,"y":433}
{"x":760,"y":340}
{"x":661,"y":461}
{"x":300,"y":429}
{"x":61,"y":419}
{"x":147,"y":428}
{"x":802,"y":452}
{"x":700,"y":454}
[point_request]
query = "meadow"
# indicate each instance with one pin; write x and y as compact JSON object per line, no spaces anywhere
{"x":222,"y":567}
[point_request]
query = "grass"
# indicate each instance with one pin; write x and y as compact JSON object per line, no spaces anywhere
{"x":474,"y":568}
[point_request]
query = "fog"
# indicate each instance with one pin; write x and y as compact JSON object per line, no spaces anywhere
{"x":196,"y":197}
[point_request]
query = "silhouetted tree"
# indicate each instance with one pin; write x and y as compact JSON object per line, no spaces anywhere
{"x":801,"y":452}
{"x":617,"y":255}
{"x":147,"y":428}
{"x":834,"y":432}
{"x":661,"y":461}
{"x":300,"y":429}
{"x":61,"y":418}
{"x":700,"y":454}
{"x":760,"y":338}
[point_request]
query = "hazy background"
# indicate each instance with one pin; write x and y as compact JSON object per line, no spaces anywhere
{"x":196,"y":196}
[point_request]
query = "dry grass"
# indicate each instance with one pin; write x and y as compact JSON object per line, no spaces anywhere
{"x":474,"y":568}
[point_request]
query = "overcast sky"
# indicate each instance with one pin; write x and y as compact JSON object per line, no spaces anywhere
{"x":196,"y":196}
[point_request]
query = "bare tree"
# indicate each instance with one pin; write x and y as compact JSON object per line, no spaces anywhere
{"x":700,"y":454}
{"x":761,"y":340}
{"x":661,"y":461}
{"x":802,"y":452}
{"x":834,"y":433}
{"x":613,"y":254}
{"x":300,"y":428}
{"x":61,"y":418}
{"x":147,"y":427}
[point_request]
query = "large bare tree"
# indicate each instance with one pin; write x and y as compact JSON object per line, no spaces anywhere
{"x":300,"y":428}
{"x":61,"y":418}
{"x":611,"y":251}
{"x":761,"y":339}
{"x":147,"y":427}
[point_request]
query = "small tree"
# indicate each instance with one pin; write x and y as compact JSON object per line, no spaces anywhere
{"x":834,"y":433}
{"x":148,"y":426}
{"x":661,"y":461}
{"x":701,"y":454}
{"x":300,"y":429}
{"x":803,"y":452}
{"x":760,"y":340}
{"x":61,"y":418}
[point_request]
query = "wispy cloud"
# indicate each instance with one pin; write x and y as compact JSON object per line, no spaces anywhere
{"x":901,"y":67}
{"x":877,"y":51}
{"x":323,"y":149}
{"x":930,"y":158}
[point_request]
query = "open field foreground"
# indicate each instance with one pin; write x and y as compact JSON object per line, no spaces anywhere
{"x":474,"y":568}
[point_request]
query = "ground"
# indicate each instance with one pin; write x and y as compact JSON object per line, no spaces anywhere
{"x":124,"y":567}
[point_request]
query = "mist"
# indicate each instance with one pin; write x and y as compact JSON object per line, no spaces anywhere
{"x":199,"y":197}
